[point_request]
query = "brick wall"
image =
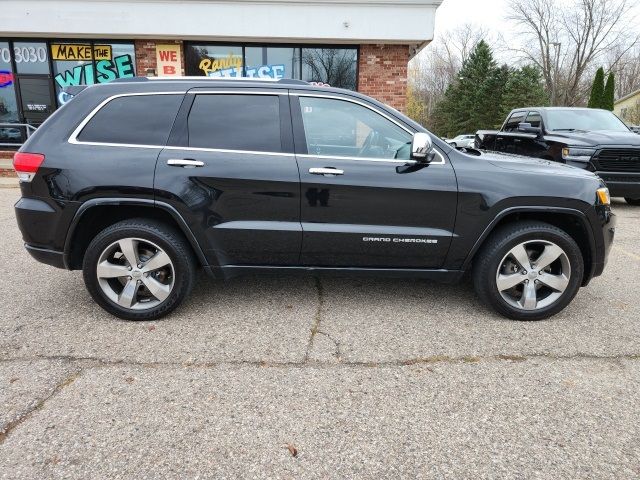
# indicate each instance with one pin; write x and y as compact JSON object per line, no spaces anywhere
{"x":6,"y":156}
{"x":146,"y":54}
{"x":382,"y":73}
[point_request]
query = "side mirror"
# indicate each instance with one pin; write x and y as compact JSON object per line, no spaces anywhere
{"x":525,"y":127}
{"x":422,"y":147}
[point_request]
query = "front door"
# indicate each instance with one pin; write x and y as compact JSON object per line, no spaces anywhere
{"x":230,"y":171}
{"x":363,"y":202}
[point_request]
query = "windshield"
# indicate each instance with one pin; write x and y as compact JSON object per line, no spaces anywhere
{"x":583,"y":120}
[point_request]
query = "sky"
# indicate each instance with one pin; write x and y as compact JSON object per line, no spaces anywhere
{"x":486,"y":13}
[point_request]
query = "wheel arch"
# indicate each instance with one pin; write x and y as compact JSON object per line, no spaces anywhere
{"x":95,"y":215}
{"x":572,"y":221}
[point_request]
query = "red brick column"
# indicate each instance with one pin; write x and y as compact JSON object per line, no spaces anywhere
{"x":146,"y":55}
{"x":382,"y":73}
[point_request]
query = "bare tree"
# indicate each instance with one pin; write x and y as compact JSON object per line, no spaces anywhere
{"x":437,"y":66}
{"x":625,"y":64}
{"x":566,"y":39}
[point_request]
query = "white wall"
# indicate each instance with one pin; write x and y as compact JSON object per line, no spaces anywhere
{"x":339,"y":21}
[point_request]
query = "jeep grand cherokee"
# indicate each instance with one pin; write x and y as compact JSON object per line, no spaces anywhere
{"x":140,"y":182}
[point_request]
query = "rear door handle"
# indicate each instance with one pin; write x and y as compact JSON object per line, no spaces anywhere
{"x":325,"y":171}
{"x":184,"y":162}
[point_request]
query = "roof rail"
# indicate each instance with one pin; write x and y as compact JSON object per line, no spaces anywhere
{"x":287,"y":81}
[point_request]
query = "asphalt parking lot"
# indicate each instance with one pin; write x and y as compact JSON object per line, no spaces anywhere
{"x":304,"y":378}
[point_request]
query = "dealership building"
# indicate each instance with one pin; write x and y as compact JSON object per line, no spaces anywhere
{"x":45,"y":45}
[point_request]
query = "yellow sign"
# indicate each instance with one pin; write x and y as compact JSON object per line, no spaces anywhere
{"x":168,"y":60}
{"x":78,"y":51}
{"x":208,"y":65}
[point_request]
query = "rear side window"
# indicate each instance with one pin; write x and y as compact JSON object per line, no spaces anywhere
{"x":235,"y":122}
{"x":134,"y":120}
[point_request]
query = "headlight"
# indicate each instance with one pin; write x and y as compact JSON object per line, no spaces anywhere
{"x":577,"y":154}
{"x":603,"y":197}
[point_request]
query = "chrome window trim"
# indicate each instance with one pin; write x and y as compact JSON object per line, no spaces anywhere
{"x":73,"y":139}
{"x":372,"y":108}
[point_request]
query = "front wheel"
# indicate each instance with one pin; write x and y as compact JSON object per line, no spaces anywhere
{"x":528,"y":270}
{"x":138,"y":269}
{"x":633,"y":201}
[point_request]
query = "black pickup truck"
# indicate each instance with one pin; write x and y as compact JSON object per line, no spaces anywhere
{"x":593,"y":139}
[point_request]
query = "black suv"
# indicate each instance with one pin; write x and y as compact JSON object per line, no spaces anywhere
{"x":138,"y":183}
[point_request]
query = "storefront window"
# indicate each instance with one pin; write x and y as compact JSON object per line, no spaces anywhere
{"x":334,"y":66}
{"x":272,"y":62}
{"x":87,"y":63}
{"x":214,"y":60}
{"x":31,"y":57}
{"x":8,"y":104}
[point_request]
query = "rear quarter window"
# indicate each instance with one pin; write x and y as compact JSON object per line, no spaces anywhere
{"x":134,"y":120}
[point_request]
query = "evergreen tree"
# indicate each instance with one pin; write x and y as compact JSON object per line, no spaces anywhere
{"x":609,"y":93}
{"x":473,"y":101}
{"x":597,"y":90}
{"x":523,"y":89}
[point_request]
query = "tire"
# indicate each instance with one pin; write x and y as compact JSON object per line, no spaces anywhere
{"x":495,"y":266}
{"x":454,"y":144}
{"x":633,"y":201}
{"x":141,"y":292}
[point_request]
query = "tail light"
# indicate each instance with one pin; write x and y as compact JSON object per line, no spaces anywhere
{"x":26,"y":165}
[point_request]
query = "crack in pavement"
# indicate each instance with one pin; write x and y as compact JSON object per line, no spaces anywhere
{"x":317,"y":319}
{"x":336,"y":353}
{"x":13,"y":424}
{"x":96,"y":362}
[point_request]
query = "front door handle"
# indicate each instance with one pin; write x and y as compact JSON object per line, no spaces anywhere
{"x":184,"y":162}
{"x":327,"y":171}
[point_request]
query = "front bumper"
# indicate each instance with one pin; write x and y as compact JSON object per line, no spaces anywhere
{"x":622,"y":184}
{"x":606,"y":224}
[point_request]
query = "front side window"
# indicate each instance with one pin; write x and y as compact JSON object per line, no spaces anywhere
{"x":235,"y":122}
{"x":134,"y":120}
{"x":534,"y":119}
{"x":514,"y":120}
{"x":341,"y":128}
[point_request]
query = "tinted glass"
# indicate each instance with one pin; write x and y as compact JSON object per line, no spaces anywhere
{"x":8,"y":104}
{"x":341,"y":128}
{"x":31,"y":57}
{"x":333,"y":66}
{"x":514,"y":120}
{"x":138,"y":120}
{"x":236,"y":122}
{"x":213,"y":60}
{"x":37,"y":101}
{"x":272,"y":62}
{"x":534,"y":119}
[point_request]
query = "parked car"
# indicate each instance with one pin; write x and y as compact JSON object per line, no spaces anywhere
{"x":592,"y":139}
{"x":140,"y":182}
{"x":462,"y":141}
{"x":635,"y":128}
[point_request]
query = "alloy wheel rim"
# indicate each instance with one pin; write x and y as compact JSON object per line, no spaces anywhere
{"x":135,"y":274}
{"x":533,"y":275}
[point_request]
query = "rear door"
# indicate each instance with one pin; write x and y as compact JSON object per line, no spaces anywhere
{"x":230,"y":171}
{"x":364,"y":203}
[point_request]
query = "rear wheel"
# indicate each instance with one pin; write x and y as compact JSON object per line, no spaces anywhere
{"x":528,"y":270}
{"x":138,"y":269}
{"x":633,"y":201}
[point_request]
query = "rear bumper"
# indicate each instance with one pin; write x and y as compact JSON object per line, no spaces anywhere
{"x":43,"y":255}
{"x":622,"y":184}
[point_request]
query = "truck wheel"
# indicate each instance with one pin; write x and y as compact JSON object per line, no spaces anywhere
{"x":633,"y":201}
{"x":138,"y":269}
{"x":528,"y":270}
